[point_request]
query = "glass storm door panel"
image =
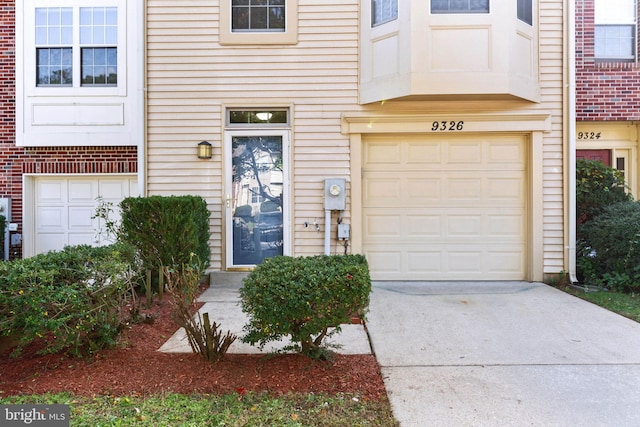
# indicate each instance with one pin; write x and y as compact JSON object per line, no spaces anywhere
{"x":255,"y":198}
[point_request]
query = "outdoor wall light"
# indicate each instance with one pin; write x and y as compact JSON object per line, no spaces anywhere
{"x":205,"y":150}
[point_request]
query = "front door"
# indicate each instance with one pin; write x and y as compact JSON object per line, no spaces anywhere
{"x":256,"y":198}
{"x":603,"y":156}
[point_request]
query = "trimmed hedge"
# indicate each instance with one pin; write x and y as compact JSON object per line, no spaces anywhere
{"x":73,"y":298}
{"x":167,"y":231}
{"x":303,"y":298}
{"x":610,"y":255}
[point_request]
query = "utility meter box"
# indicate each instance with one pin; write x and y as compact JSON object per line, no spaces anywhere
{"x":334,"y":194}
{"x":5,"y":211}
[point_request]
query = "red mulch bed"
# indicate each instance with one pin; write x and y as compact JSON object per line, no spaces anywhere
{"x":136,"y":368}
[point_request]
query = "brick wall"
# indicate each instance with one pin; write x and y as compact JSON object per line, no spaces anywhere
{"x":15,"y":161}
{"x":604,"y":91}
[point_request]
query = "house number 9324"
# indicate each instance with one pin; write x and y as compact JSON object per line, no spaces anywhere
{"x":447,"y":125}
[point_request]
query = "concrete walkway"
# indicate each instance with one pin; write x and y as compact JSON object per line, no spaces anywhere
{"x":503,"y":354}
{"x":222,"y":302}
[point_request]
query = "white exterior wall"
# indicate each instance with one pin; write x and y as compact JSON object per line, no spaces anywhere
{"x":191,"y":79}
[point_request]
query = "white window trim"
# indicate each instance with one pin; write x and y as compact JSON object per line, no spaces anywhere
{"x":76,"y":89}
{"x":288,"y":36}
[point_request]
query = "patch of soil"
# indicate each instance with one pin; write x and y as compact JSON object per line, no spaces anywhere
{"x":136,"y":368}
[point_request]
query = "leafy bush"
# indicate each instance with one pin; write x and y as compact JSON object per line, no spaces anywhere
{"x":611,"y":253}
{"x":303,"y":298}
{"x":166,"y":230}
{"x":74,"y":298}
{"x":597,"y":186}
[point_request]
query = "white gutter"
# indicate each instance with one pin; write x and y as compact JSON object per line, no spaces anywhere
{"x":571,"y":138}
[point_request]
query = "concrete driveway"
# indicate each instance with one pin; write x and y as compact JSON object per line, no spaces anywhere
{"x":503,"y":354}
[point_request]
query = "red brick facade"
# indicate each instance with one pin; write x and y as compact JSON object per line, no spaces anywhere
{"x":604,"y":91}
{"x":16,"y":161}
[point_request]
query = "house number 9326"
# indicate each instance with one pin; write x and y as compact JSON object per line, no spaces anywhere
{"x":446,"y":125}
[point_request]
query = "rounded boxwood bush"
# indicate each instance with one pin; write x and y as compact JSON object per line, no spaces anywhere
{"x":305,"y":298}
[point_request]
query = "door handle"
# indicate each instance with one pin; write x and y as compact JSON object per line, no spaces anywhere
{"x":228,"y":200}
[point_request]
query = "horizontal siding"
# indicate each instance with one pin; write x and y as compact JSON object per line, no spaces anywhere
{"x":191,"y":78}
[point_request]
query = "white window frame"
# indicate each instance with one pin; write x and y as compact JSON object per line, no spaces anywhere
{"x":256,"y":37}
{"x":616,"y":13}
{"x":76,"y":89}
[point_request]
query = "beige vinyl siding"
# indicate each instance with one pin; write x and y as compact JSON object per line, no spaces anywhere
{"x":191,"y":79}
{"x":551,"y":63}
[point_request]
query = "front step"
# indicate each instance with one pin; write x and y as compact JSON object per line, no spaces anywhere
{"x":227,"y":279}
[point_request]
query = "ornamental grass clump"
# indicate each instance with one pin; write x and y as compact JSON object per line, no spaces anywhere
{"x":304,"y":298}
{"x":204,"y":336}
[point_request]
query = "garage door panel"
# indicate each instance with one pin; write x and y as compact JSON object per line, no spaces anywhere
{"x":505,"y":189}
{"x":82,"y":191}
{"x":423,"y":154}
{"x":386,"y":261}
{"x":113,"y":190}
{"x":81,"y":239}
{"x":464,"y":153}
{"x":50,"y":218}
{"x":64,"y":208}
{"x":381,"y":190}
{"x":384,"y":154}
{"x":456,"y":211}
{"x":48,"y":191}
{"x":383,"y":226}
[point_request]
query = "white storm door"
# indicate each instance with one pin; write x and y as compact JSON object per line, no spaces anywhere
{"x":256,"y":197}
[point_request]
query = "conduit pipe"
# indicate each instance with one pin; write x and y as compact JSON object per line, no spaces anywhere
{"x":571,"y":137}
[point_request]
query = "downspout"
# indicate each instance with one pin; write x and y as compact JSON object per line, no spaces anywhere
{"x":571,"y":137}
{"x":142,"y":96}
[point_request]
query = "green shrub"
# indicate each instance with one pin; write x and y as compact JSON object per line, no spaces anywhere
{"x":73,"y":298}
{"x":611,"y":250}
{"x":597,"y":186}
{"x":303,"y":298}
{"x":166,"y":231}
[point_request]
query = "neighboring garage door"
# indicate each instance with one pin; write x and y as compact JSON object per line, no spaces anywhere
{"x":445,"y":207}
{"x":64,"y":208}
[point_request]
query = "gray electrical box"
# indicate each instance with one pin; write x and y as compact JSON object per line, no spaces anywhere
{"x":5,"y":211}
{"x":334,"y":194}
{"x":344,"y":231}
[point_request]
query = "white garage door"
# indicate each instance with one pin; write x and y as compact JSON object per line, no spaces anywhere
{"x":64,"y":208}
{"x":445,"y":207}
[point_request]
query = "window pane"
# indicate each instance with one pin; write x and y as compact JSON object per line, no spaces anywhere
{"x":41,"y":36}
{"x":98,"y":35}
{"x":276,"y":17}
{"x":383,"y":11}
{"x":258,"y":116}
{"x":53,"y":67}
{"x":258,"y":15}
{"x":614,"y":42}
{"x":99,"y":66}
{"x":258,"y":18}
{"x":525,"y":11}
{"x":459,"y":6}
{"x":53,"y":36}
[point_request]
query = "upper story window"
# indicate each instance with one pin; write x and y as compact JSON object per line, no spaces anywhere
{"x":258,"y":22}
{"x":615,"y":30}
{"x":54,"y":46}
{"x":383,"y":11}
{"x":69,"y":39}
{"x":525,"y":11}
{"x":459,"y":6}
{"x":258,"y":15}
